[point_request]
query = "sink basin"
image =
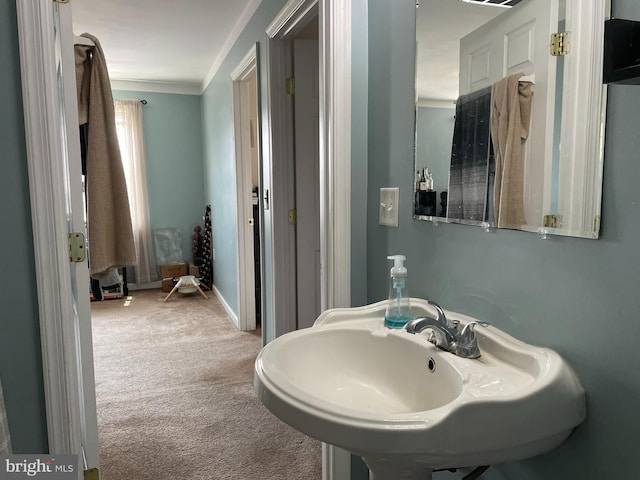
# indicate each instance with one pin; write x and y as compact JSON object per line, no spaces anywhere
{"x":409,"y":408}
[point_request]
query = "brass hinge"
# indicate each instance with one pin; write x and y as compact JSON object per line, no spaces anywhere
{"x":560,"y":44}
{"x":291,"y":86}
{"x":77,"y":250}
{"x":293,"y":216}
{"x":552,"y":221}
{"x":92,"y":474}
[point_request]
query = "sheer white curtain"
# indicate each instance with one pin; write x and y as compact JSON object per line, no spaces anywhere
{"x":131,"y":139}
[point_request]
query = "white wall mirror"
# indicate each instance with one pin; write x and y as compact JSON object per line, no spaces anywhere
{"x":463,"y":48}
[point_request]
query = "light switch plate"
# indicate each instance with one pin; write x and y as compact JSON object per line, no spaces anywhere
{"x":389,"y":206}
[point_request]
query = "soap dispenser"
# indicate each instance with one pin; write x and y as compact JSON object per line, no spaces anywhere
{"x":398,"y":307}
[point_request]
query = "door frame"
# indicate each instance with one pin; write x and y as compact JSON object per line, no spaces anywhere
{"x":246,"y":319}
{"x":584,"y":101}
{"x":335,"y":157}
{"x":64,"y":388}
{"x":335,"y":25}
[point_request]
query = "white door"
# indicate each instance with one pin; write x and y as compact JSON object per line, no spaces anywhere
{"x":245,"y":107}
{"x":79,"y":278}
{"x":248,"y":101}
{"x":579,"y":180}
{"x":518,"y":41}
{"x":306,"y":130}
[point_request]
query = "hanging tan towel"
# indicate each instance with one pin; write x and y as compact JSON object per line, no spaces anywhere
{"x":109,"y":219}
{"x":510,"y":119}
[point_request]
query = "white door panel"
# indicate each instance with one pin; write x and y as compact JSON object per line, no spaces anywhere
{"x":518,"y":41}
{"x":479,"y":75}
{"x":520,"y":49}
{"x":306,"y":112}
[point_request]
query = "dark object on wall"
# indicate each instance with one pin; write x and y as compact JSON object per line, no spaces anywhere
{"x":426,"y":203}
{"x":621,"y":51}
{"x":443,"y":204}
{"x":206,"y":269}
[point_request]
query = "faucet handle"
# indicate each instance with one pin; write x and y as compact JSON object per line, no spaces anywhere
{"x":468,"y":328}
{"x":467,"y":342}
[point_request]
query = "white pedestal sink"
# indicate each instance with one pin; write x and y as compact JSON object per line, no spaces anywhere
{"x":407,"y":407}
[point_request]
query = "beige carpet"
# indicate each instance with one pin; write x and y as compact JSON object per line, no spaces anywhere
{"x":174,"y":387}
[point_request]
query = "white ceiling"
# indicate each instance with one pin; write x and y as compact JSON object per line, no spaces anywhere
{"x":163,"y":45}
{"x":178,"y":45}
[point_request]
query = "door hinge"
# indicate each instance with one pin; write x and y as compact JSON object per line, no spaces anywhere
{"x":92,"y":474}
{"x":60,"y":1}
{"x":596,"y":224}
{"x":77,"y":250}
{"x":552,"y":220}
{"x":560,"y":44}
{"x":291,"y":86}
{"x":293,"y":216}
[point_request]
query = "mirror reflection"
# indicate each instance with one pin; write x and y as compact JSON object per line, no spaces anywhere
{"x":494,"y":106}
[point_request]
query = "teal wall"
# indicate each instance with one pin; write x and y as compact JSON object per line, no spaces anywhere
{"x":390,"y":132}
{"x":219,"y":155}
{"x":577,"y":296}
{"x":20,"y":357}
{"x":175,"y":169}
{"x":434,"y":127}
{"x":359,"y":170}
{"x":359,"y":151}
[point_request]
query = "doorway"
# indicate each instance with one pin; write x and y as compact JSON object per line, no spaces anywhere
{"x":334,"y":152}
{"x":307,"y":173}
{"x":62,"y":389}
{"x":334,"y":34}
{"x":294,"y":75}
{"x":246,"y":116}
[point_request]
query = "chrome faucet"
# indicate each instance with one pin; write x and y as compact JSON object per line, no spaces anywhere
{"x":446,"y":335}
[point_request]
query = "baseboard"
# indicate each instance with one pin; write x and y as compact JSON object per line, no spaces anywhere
{"x":225,"y":305}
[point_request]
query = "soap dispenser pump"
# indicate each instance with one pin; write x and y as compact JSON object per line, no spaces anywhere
{"x":398,"y":307}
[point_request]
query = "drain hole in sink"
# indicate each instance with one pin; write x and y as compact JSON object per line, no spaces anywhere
{"x":431,"y":364}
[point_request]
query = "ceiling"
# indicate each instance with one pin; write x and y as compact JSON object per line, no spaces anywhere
{"x":178,"y":45}
{"x":163,"y":45}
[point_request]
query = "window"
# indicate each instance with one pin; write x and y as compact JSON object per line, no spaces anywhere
{"x":129,"y":125}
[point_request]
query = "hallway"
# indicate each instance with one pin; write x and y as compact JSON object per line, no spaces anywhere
{"x":175,"y":398}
